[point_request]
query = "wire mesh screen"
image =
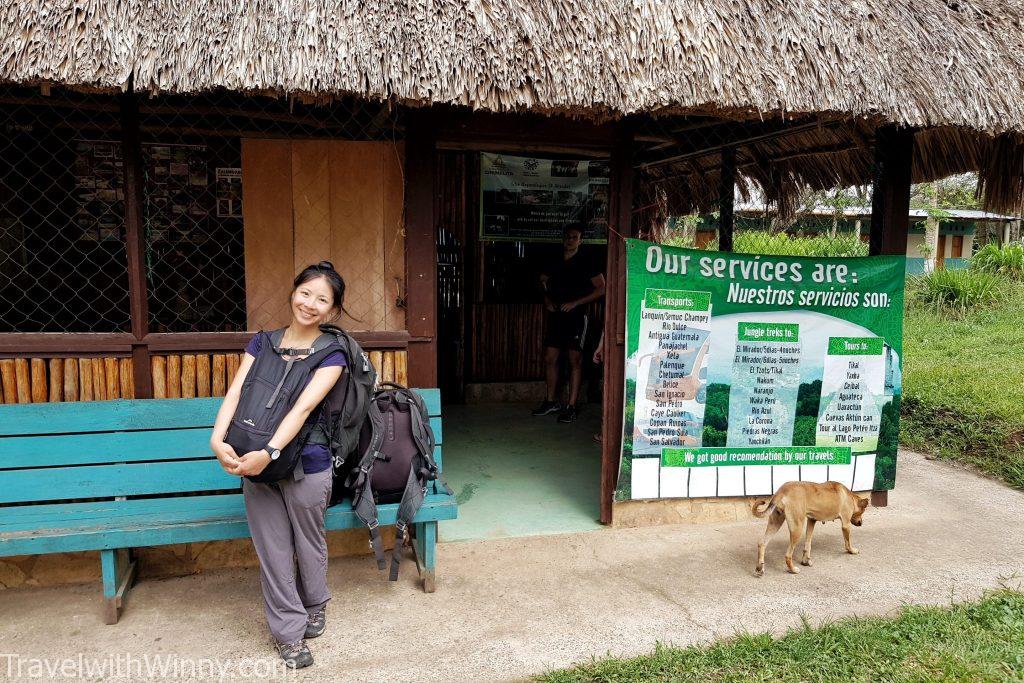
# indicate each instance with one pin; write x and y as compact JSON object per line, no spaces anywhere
{"x":62,"y":238}
{"x":63,"y":258}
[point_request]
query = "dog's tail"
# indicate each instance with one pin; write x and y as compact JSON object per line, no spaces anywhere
{"x":760,"y":508}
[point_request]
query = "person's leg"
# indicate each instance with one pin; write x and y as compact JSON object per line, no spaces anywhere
{"x":271,"y":532}
{"x":306,"y":503}
{"x":551,"y":372}
{"x":575,"y":375}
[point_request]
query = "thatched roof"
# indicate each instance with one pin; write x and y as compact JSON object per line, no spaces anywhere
{"x":914,"y":62}
{"x":952,"y":68}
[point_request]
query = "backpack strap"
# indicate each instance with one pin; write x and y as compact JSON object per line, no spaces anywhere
{"x":412,"y":499}
{"x":360,"y":480}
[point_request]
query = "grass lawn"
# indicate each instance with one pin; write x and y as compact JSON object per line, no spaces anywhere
{"x":979,"y":641}
{"x":963,"y":387}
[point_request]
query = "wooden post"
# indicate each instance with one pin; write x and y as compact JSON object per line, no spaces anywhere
{"x":890,"y":207}
{"x":38,"y":380}
{"x":202,"y":375}
{"x":85,"y":380}
{"x":135,"y":242}
{"x":56,"y":380}
{"x":726,"y":197}
{"x":70,"y":379}
{"x":10,"y":384}
{"x":615,"y":317}
{"x":890,"y":198}
{"x":420,"y":250}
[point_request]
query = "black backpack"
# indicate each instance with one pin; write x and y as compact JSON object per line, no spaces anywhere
{"x":272,"y":386}
{"x":395,"y":465}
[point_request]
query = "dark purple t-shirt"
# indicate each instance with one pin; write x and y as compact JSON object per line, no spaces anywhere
{"x":315,"y":457}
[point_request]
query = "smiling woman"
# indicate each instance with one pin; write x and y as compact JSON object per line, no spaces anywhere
{"x":287,"y":478}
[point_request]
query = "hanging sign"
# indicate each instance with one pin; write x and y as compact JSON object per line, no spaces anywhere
{"x":533,"y":199}
{"x":744,"y":372}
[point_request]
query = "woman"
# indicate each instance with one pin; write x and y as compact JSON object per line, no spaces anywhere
{"x":286,"y":518}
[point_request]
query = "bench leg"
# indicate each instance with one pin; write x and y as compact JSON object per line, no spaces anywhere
{"x":118,"y":574}
{"x":425,"y":547}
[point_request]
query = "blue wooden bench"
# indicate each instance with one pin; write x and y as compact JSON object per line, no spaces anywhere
{"x":116,"y":475}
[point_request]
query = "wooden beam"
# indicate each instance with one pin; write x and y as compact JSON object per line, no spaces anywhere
{"x":615,"y":317}
{"x":890,"y":198}
{"x":420,"y":249}
{"x":726,"y":198}
{"x":735,"y":135}
{"x":134,"y":180}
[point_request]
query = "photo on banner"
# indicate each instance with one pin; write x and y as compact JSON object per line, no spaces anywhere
{"x":745,"y":372}
{"x":532,"y":199}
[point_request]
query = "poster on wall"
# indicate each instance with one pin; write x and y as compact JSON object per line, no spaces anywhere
{"x":99,"y":194}
{"x":229,"y":192}
{"x":532,"y":199}
{"x":744,"y":372}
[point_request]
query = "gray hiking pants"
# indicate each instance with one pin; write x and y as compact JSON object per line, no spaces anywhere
{"x":286,"y":520}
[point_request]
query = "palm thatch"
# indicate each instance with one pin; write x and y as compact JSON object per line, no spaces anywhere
{"x":953,"y":68}
{"x":913,"y":62}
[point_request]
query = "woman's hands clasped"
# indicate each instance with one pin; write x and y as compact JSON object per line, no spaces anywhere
{"x":248,"y":465}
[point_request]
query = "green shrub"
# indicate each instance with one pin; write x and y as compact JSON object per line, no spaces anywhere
{"x":957,"y":291}
{"x":784,"y":244}
{"x":1007,"y":259}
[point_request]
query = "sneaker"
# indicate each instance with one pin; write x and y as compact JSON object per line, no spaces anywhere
{"x":296,"y":655}
{"x":316,"y":623}
{"x":568,"y":415}
{"x":547,"y":408}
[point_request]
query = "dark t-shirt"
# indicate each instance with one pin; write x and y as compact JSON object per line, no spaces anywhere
{"x":570,"y":279}
{"x":315,"y":457}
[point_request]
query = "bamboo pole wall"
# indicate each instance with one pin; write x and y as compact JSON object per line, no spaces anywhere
{"x":38,"y":380}
{"x":201,"y":375}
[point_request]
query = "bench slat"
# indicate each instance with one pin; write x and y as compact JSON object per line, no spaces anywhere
{"x":100,"y":481}
{"x":128,"y":414}
{"x":107,"y":416}
{"x":104,"y":447}
{"x":145,"y":533}
{"x":113,"y":447}
{"x":103,"y":481}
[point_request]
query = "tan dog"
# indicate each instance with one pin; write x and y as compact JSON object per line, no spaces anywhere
{"x":797,"y":501}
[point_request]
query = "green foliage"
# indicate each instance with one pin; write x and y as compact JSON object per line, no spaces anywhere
{"x":1007,"y":259}
{"x":716,"y":416}
{"x":956,"y":292}
{"x":784,"y":244}
{"x":805,"y":430}
{"x":888,"y":444}
{"x":977,"y":641}
{"x":808,"y":397}
{"x":962,"y":388}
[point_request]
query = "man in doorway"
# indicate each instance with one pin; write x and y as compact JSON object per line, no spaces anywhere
{"x":570,"y":283}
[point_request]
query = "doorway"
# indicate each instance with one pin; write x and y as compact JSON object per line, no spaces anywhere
{"x":514,"y":474}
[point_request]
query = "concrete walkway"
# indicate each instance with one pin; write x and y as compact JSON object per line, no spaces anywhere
{"x":509,"y":608}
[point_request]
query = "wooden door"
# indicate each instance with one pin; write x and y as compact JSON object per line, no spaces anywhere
{"x":336,"y":200}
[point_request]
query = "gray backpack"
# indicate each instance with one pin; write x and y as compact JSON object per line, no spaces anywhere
{"x":395,"y":465}
{"x":272,"y":386}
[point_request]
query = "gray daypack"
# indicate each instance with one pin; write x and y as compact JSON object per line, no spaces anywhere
{"x":395,"y":465}
{"x":272,"y":386}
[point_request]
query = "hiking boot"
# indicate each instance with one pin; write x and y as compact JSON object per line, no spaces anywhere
{"x":316,"y":623}
{"x":296,"y":655}
{"x":568,"y":415}
{"x":547,"y":408}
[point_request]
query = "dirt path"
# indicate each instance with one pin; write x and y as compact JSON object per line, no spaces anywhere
{"x":510,"y":608}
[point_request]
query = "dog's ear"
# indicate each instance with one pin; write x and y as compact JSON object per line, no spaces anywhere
{"x":862,"y":503}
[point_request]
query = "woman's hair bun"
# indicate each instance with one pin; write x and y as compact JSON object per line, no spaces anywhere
{"x":326,"y":265}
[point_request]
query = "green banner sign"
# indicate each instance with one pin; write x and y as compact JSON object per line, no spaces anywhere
{"x":744,"y":372}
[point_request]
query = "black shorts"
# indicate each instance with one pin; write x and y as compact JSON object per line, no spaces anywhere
{"x":566,"y":330}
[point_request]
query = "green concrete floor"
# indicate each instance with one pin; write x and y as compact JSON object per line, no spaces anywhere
{"x":518,"y":475}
